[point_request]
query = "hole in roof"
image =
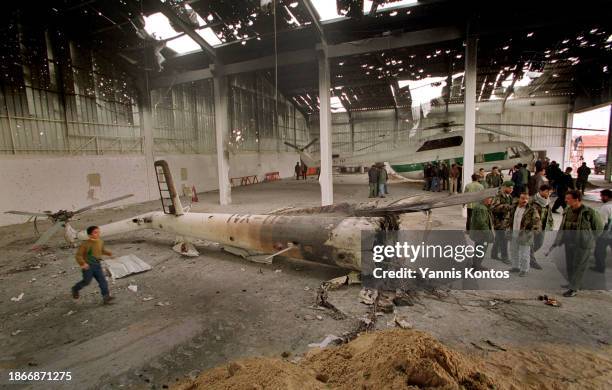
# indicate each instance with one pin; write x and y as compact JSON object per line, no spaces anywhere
{"x":159,"y":27}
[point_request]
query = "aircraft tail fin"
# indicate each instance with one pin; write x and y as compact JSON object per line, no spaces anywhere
{"x":171,"y":203}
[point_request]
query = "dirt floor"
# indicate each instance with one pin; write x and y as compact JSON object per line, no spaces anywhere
{"x":192,"y":314}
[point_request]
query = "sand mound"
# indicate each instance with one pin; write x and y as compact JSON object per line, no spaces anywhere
{"x":397,"y":359}
{"x":256,"y":373}
{"x":393,"y":359}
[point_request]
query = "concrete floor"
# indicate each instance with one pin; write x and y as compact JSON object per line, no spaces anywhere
{"x":217,"y":307}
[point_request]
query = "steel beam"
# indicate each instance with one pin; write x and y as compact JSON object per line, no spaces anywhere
{"x":469,"y":137}
{"x":325,"y":128}
{"x":413,"y":38}
{"x":167,"y":10}
{"x":314,"y":16}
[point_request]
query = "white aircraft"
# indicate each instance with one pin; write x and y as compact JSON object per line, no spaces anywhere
{"x":409,"y":158}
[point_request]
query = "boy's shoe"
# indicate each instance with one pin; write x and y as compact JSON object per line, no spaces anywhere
{"x":595,"y":269}
{"x":570,"y":293}
{"x":107,"y":300}
{"x":523,"y":273}
{"x":75,"y":293}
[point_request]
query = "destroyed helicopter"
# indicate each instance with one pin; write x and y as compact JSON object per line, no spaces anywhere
{"x":319,"y":235}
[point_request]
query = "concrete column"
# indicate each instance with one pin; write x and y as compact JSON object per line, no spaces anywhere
{"x":146,"y":131}
{"x":469,"y":137}
{"x":325,"y":127}
{"x":222,"y":136}
{"x":568,"y":142}
{"x":608,"y":173}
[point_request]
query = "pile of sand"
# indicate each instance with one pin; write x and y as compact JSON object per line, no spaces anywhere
{"x":409,"y":359}
{"x":394,"y":359}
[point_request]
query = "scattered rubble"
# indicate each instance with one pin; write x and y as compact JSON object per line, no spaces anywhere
{"x":17,"y":298}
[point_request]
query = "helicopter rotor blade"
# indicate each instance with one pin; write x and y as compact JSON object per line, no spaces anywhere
{"x":501,"y":132}
{"x":536,"y":125}
{"x":91,"y":206}
{"x":28,"y":213}
{"x":292,"y":145}
{"x":47,"y":235}
{"x":309,"y":144}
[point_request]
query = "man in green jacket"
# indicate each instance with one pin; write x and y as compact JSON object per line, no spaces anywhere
{"x":580,"y":227}
{"x":474,"y":186}
{"x":501,"y":207}
{"x":541,"y":202}
{"x":495,"y":178}
{"x":481,"y":228}
{"x":524,"y":222}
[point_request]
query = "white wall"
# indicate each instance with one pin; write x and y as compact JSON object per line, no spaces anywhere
{"x":54,"y":183}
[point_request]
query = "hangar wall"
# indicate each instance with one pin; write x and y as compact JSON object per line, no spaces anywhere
{"x":71,"y":129}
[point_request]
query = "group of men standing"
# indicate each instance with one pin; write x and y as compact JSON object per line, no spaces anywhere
{"x":300,"y":170}
{"x":377,"y":179}
{"x":440,"y":177}
{"x":516,"y":223}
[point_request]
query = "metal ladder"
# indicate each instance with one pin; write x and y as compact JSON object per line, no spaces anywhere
{"x":163,"y":185}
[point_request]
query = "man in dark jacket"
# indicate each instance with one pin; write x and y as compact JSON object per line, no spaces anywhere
{"x":579,"y":229}
{"x":373,"y":174}
{"x":564,"y":183}
{"x":517,"y":179}
{"x":583,"y":177}
{"x":444,"y":172}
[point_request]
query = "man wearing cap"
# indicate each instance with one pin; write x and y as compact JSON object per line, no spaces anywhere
{"x":501,"y":208}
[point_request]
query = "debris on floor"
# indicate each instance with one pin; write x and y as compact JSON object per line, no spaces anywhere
{"x":402,"y":322}
{"x":17,"y":298}
{"x":132,"y":288}
{"x":123,"y":266}
{"x":186,"y":249}
{"x":368,"y":296}
{"x":549,"y":301}
{"x":329,"y":339}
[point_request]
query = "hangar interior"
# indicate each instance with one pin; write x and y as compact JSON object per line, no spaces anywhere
{"x":226,"y":92}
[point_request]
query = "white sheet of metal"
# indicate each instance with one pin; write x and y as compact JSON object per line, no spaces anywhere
{"x":123,"y":266}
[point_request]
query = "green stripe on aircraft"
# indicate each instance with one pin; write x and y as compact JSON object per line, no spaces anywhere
{"x":488,"y":157}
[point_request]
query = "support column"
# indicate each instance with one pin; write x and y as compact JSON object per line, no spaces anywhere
{"x":146,"y":132}
{"x":469,"y":137}
{"x":325,"y":179}
{"x":220,"y":88}
{"x":608,"y":173}
{"x":568,"y":142}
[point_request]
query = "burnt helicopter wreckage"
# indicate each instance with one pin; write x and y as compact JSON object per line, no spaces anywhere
{"x":328,"y":235}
